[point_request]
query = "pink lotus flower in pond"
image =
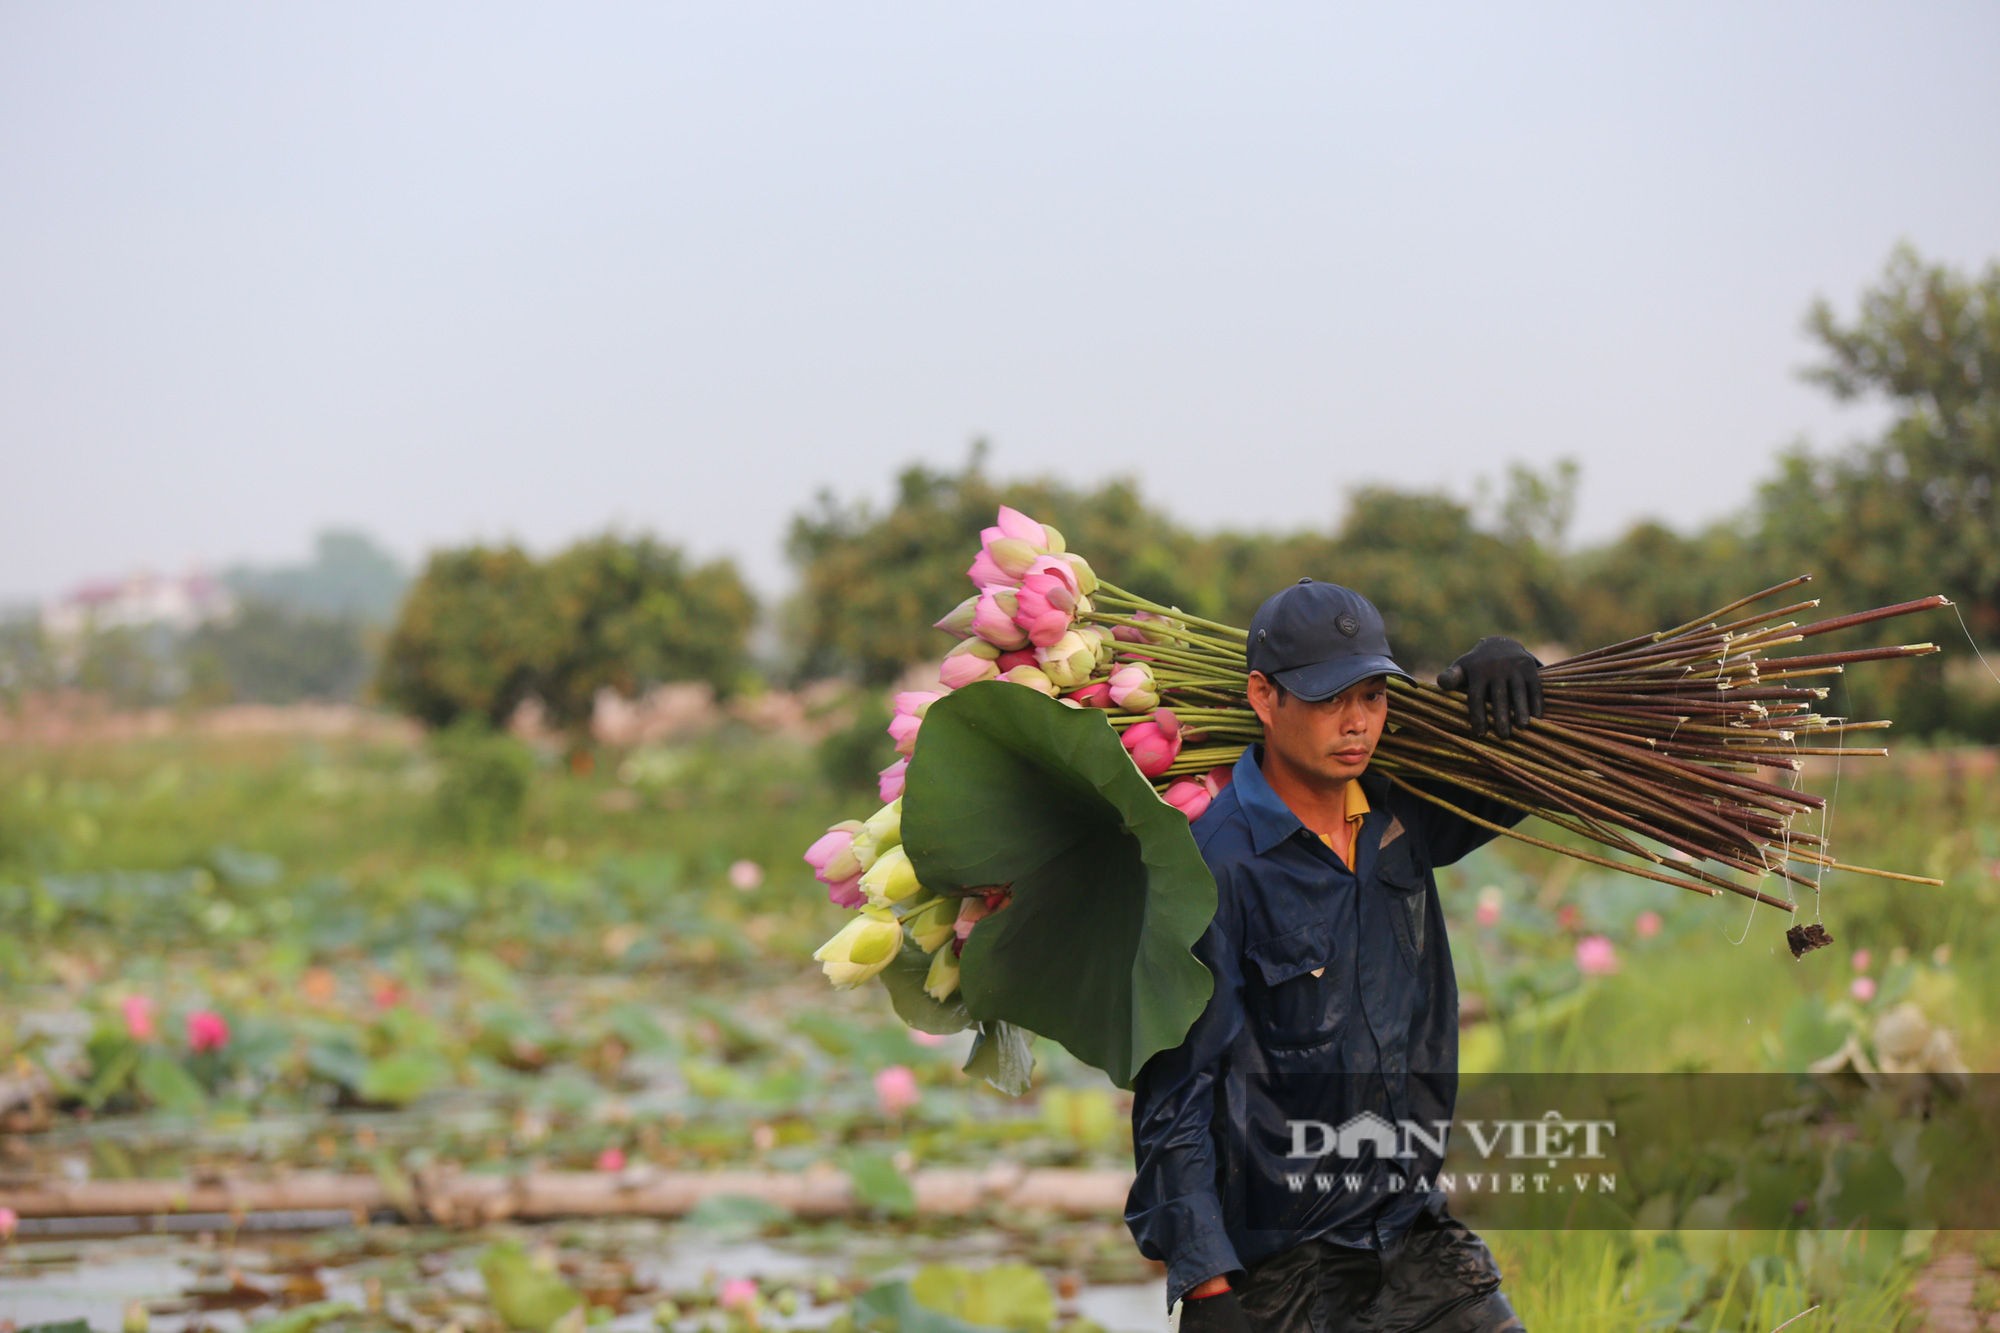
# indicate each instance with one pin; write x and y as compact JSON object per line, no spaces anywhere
{"x":993,"y":619}
{"x":930,"y":1039}
{"x":1097,"y":694}
{"x":959,"y":623}
{"x":1132,"y":688}
{"x":1153,"y":747}
{"x":890,"y":786}
{"x":138,"y":1014}
{"x":611,"y":1159}
{"x":1862,"y":989}
{"x":1646,"y":925}
{"x":832,"y":857}
{"x":739,"y":1293}
{"x":1596,"y":956}
{"x":896,"y":1090}
{"x":1190,"y":796}
{"x":1862,"y":958}
{"x":206,"y":1031}
{"x":1487,"y":913}
{"x":745,"y":875}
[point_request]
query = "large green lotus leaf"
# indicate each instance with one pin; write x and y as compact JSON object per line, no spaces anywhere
{"x":1109,"y":891}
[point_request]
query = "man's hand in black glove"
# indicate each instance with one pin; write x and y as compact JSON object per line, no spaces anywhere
{"x":1501,"y":672}
{"x":1220,"y":1313}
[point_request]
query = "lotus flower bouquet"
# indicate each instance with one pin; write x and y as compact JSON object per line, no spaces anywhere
{"x":1047,"y":881}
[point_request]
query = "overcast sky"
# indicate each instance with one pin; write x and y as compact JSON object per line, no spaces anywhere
{"x":450,"y":272}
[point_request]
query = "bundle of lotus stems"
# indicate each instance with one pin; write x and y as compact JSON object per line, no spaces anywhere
{"x":1662,"y":738}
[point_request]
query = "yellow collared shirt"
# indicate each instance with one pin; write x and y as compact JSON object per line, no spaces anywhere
{"x":1357,"y":806}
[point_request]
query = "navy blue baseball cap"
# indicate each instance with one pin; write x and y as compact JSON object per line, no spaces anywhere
{"x":1316,"y":639}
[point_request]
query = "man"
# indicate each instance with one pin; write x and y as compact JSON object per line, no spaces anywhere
{"x":1285,"y":1147}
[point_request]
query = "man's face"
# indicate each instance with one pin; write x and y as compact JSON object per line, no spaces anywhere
{"x":1330,"y":741}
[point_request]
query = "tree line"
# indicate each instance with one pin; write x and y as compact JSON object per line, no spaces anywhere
{"x":483,"y":628}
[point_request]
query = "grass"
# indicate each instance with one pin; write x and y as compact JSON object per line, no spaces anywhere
{"x":588,"y":950}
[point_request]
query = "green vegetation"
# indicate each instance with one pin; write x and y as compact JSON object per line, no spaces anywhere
{"x":575,"y":971}
{"x":486,"y":628}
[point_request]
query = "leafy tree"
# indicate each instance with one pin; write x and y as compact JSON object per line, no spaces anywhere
{"x":485,"y":628}
{"x":871,"y":585}
{"x":633,"y":613}
{"x":475,"y":634}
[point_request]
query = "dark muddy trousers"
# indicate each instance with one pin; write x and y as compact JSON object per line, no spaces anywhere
{"x":1440,"y":1278}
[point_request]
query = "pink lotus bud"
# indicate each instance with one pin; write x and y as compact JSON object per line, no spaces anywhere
{"x":896,"y":1090}
{"x":832,"y":857}
{"x":611,"y":1159}
{"x":903,"y":731}
{"x":984,"y":573}
{"x":963,"y":669}
{"x":1862,"y":958}
{"x":1152,"y":749}
{"x":973,"y":910}
{"x":1862,"y":989}
{"x":1647,"y":925}
{"x":206,"y":1031}
{"x":1132,"y":688}
{"x":959,"y":623}
{"x":1068,"y":661}
{"x":993,"y":619}
{"x":1015,"y":558}
{"x":1189,"y":797}
{"x":1053,"y":540}
{"x":1221,"y":776}
{"x":1596,"y":956}
{"x":1056,"y":578}
{"x":1097,"y":694}
{"x":1167,"y":721}
{"x":1033,"y":677}
{"x":138,"y":1012}
{"x":1127,"y":634}
{"x":9,"y":1220}
{"x":891,"y":784}
{"x":915,"y":703}
{"x":847,"y":892}
{"x":745,"y":875}
{"x":1017,"y":525}
{"x":1107,"y":647}
{"x":739,"y":1293}
{"x":1018,"y":658}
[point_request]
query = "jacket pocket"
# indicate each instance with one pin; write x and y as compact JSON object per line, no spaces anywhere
{"x":1298,"y":984}
{"x":1407,"y":887}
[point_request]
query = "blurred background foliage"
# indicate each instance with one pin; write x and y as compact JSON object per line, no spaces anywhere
{"x":483,"y":628}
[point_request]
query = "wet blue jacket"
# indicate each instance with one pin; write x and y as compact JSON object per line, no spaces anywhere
{"x":1334,"y":1003}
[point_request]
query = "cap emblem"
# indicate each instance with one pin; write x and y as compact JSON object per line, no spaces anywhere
{"x":1347,"y":625}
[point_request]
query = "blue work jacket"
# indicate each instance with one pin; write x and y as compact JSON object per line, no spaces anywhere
{"x":1333,"y":1025}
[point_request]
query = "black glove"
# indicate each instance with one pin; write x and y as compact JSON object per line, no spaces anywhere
{"x":1502,"y":672}
{"x":1220,"y":1313}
